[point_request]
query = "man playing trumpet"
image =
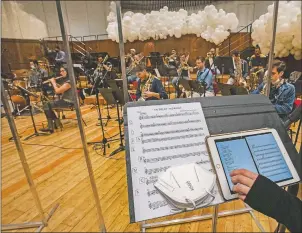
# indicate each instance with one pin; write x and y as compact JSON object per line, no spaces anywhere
{"x":149,"y":87}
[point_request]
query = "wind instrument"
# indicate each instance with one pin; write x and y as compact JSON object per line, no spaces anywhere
{"x":48,"y":81}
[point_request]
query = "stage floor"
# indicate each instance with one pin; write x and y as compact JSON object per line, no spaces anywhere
{"x":61,"y":176}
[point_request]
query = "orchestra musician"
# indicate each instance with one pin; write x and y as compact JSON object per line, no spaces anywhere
{"x":257,"y":64}
{"x":149,"y":87}
{"x":240,"y":70}
{"x":183,"y":71}
{"x":282,"y":93}
{"x":135,"y":66}
{"x":204,"y":76}
{"x":129,"y":58}
{"x":61,"y":87}
{"x":36,"y":75}
{"x":60,"y":56}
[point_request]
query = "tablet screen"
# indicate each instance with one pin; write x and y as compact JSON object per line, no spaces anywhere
{"x":258,"y":153}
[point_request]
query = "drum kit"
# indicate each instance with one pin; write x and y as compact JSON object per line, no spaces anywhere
{"x":16,"y":98}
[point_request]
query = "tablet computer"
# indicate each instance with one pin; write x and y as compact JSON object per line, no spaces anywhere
{"x":260,"y":151}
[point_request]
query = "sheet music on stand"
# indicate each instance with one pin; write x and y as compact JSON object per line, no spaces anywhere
{"x":161,"y":136}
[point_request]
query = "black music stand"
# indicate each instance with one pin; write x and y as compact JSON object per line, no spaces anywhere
{"x":27,"y":95}
{"x":224,"y":64}
{"x":192,"y":86}
{"x":115,"y":97}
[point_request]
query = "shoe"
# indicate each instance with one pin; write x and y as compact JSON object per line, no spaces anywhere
{"x":50,"y":126}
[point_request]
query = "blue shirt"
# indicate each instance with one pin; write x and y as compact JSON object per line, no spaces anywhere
{"x":283,"y":99}
{"x":206,"y":76}
{"x":60,"y":57}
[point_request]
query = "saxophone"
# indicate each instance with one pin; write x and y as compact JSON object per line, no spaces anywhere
{"x":146,"y":87}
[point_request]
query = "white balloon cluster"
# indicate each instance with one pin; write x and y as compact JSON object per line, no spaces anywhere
{"x":210,"y":24}
{"x":288,"y":33}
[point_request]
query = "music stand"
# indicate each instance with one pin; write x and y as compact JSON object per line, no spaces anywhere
{"x":27,"y":95}
{"x":224,"y":64}
{"x":111,"y":97}
{"x":192,"y":86}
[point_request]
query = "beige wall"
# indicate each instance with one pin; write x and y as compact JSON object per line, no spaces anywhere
{"x":39,"y":19}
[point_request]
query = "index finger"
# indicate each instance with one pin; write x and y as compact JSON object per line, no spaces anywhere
{"x":244,"y":172}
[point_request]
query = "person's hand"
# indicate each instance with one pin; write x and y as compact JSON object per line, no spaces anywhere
{"x":243,"y":180}
{"x":149,"y":94}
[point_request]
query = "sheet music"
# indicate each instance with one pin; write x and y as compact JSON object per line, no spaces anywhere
{"x":161,"y":136}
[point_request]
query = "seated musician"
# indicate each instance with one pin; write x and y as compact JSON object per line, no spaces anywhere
{"x":257,"y":64}
{"x":60,"y":56}
{"x":36,"y":75}
{"x":204,"y":76}
{"x":240,"y":70}
{"x":61,"y":87}
{"x":282,"y":93}
{"x":183,"y":71}
{"x":149,"y":87}
{"x":135,"y":66}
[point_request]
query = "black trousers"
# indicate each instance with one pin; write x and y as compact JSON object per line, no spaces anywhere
{"x":58,"y":104}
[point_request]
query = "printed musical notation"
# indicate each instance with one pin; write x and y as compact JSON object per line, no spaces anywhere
{"x":172,"y":157}
{"x":168,"y":123}
{"x":145,"y":117}
{"x":172,"y":138}
{"x":157,"y":204}
{"x":163,"y":137}
{"x":155,"y":170}
{"x":152,"y":192}
{"x":189,"y":145}
{"x":171,"y":132}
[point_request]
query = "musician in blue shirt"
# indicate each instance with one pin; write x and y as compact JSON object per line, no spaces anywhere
{"x":149,"y":87}
{"x":60,"y":56}
{"x":204,"y":76}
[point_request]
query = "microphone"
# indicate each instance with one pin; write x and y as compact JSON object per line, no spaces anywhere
{"x":293,"y":117}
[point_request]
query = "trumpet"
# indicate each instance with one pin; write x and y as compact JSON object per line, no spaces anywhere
{"x":48,"y":81}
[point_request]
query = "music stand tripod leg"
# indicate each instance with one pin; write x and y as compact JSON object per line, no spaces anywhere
{"x":121,"y":147}
{"x":36,"y":133}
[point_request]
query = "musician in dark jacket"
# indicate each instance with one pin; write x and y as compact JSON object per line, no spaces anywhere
{"x":149,"y":87}
{"x":265,"y":196}
{"x":282,"y":93}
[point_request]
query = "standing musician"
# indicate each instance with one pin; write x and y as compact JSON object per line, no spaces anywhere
{"x":204,"y":76}
{"x":36,"y":75}
{"x":61,"y":87}
{"x":130,"y":57}
{"x":282,"y":93}
{"x":183,"y":71}
{"x":257,"y":64}
{"x":60,"y":57}
{"x":240,"y":70}
{"x":149,"y":87}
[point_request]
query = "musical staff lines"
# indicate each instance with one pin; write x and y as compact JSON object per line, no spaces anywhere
{"x":172,"y":147}
{"x":172,"y":157}
{"x":171,"y":131}
{"x":150,"y":140}
{"x":152,"y":192}
{"x":157,"y":204}
{"x":146,"y":117}
{"x":156,"y":170}
{"x":169,"y":123}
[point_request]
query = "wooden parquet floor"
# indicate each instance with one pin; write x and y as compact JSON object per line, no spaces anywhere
{"x":60,"y":175}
